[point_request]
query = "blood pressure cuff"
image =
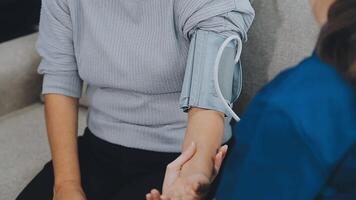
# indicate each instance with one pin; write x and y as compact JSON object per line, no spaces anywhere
{"x":198,"y":86}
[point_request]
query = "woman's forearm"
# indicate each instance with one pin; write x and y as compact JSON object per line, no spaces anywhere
{"x":206,"y":129}
{"x":61,"y":114}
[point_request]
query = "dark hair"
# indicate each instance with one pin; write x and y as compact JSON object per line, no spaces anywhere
{"x":337,"y":40}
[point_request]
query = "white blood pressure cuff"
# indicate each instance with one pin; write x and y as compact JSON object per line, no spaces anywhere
{"x":198,"y":86}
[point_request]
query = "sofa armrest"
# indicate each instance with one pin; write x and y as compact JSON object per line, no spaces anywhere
{"x":20,"y":85}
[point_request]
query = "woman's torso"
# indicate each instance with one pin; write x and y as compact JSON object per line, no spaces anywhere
{"x":133,"y":60}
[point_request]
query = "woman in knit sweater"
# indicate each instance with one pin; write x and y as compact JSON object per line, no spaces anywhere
{"x":133,"y":56}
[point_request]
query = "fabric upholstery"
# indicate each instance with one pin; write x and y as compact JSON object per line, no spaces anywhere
{"x":284,"y":32}
{"x":24,"y":148}
{"x":19,"y":82}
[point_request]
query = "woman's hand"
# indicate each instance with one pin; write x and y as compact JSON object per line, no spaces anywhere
{"x":194,"y":186}
{"x":68,"y":191}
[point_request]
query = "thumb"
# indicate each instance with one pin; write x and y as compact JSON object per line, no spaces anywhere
{"x":173,"y":169}
{"x":186,"y":155}
{"x":219,"y":158}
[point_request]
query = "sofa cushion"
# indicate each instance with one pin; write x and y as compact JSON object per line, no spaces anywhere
{"x":283,"y":33}
{"x":19,"y":82}
{"x":24,"y":147}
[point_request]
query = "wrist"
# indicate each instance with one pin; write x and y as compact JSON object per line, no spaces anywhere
{"x":201,"y":166}
{"x":67,"y":183}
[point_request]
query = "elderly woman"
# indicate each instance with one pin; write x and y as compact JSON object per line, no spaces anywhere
{"x":133,"y":55}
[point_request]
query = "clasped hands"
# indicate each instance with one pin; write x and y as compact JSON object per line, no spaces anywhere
{"x":194,"y":186}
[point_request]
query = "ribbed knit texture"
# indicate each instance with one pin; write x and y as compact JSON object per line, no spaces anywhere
{"x":132,"y":54}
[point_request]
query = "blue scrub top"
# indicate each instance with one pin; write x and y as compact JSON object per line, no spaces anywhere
{"x":297,"y":139}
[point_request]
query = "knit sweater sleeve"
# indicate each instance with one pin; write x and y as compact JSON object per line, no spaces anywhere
{"x":55,"y":46}
{"x":226,"y":17}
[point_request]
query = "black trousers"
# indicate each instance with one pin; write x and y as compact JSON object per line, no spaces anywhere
{"x":108,"y":172}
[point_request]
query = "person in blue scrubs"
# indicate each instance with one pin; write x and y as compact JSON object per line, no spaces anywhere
{"x":297,"y":139}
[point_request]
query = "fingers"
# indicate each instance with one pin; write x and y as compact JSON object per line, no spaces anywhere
{"x":219,"y":158}
{"x":184,"y":157}
{"x":156,"y":195}
{"x":224,"y":150}
{"x":149,"y":196}
{"x":153,"y":195}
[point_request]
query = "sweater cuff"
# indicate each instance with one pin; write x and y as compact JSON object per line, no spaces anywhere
{"x":68,"y":84}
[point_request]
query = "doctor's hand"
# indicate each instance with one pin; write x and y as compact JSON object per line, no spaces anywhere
{"x":194,"y":186}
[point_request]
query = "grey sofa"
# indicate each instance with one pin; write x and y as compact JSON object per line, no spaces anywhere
{"x":283,"y":33}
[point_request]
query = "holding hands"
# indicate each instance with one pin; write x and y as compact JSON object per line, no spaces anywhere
{"x":191,"y":185}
